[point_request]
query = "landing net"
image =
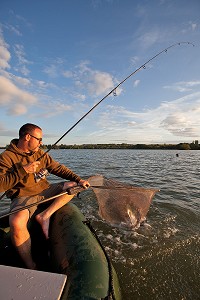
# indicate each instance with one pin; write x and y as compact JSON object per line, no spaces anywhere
{"x":121,"y":203}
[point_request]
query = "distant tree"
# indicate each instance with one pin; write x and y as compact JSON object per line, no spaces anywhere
{"x":184,"y":146}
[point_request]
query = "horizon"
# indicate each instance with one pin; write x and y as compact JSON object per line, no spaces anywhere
{"x":172,"y":143}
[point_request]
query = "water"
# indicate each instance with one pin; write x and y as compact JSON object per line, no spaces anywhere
{"x":160,"y":260}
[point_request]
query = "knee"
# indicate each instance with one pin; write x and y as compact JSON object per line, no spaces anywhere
{"x":69,"y":184}
{"x":18,"y":222}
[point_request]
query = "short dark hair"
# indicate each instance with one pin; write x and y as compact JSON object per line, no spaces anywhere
{"x":27,"y":128}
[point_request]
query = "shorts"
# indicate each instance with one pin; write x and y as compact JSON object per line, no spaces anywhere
{"x":53,"y":190}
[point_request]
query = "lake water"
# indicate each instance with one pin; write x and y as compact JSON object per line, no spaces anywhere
{"x":160,"y":260}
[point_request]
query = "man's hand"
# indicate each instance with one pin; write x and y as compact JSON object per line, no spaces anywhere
{"x":84,"y":183}
{"x":31,"y":167}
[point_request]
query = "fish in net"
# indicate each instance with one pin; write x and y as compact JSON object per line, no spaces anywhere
{"x":121,"y":203}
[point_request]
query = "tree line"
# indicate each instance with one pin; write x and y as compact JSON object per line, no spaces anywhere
{"x":181,"y":146}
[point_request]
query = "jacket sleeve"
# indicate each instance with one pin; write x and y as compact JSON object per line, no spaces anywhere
{"x":10,"y":174}
{"x":60,"y":170}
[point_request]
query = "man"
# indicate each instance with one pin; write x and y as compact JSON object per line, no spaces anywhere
{"x":19,"y":164}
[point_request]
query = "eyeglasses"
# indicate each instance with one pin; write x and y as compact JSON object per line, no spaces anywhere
{"x":39,"y":139}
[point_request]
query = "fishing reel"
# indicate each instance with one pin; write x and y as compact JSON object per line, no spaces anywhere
{"x":41,"y":174}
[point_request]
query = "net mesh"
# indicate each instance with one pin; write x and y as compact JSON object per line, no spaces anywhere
{"x":121,"y":203}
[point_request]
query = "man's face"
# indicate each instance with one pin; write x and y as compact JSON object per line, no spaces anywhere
{"x":35,"y":140}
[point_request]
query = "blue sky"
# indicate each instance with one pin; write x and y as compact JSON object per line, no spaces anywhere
{"x":60,"y":57}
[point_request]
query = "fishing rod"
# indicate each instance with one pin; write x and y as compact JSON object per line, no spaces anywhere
{"x":113,"y":91}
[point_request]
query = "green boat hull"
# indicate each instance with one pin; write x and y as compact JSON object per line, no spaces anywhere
{"x":72,"y":249}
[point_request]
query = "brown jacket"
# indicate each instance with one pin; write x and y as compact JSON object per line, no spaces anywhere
{"x":15,"y":180}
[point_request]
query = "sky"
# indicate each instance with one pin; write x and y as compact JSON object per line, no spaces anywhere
{"x":58,"y":58}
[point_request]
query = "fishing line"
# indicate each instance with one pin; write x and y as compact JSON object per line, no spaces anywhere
{"x":113,"y":91}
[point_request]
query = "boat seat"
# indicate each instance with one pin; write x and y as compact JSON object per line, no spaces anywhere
{"x":23,"y":284}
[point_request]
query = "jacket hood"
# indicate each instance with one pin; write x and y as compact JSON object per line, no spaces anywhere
{"x":13,"y":148}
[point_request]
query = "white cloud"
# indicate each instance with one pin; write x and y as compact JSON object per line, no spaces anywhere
{"x":182,"y":117}
{"x":83,"y":67}
{"x":79,"y":96}
{"x":54,"y":108}
{"x":149,"y":38}
{"x":22,"y":61}
{"x":44,"y":85}
{"x":51,"y":71}
{"x":100,"y":83}
{"x":68,"y":74}
{"x":4,"y":54}
{"x":194,"y":26}
{"x":17,"y":109}
{"x":54,"y":69}
{"x":21,"y":80}
{"x":183,"y":86}
{"x":134,"y":60}
{"x":12,"y":28}
{"x":15,"y":100}
{"x":170,"y":121}
{"x":93,"y":82}
{"x":190,"y":27}
{"x":136,"y":83}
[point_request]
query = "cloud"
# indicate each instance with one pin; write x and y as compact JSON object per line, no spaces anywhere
{"x":68,"y":74}
{"x":13,"y":29}
{"x":134,"y":60}
{"x":79,"y":96}
{"x":54,"y":69}
{"x":136,"y":83}
{"x":100,"y":83}
{"x":15,"y":100}
{"x":51,"y":71}
{"x":194,"y":26}
{"x":22,"y":61}
{"x":182,"y":118}
{"x":17,"y":109}
{"x":52,"y":109}
{"x":4,"y":54}
{"x":183,"y":86}
{"x":149,"y":38}
{"x":21,"y":80}
{"x":91,"y":82}
{"x":6,"y":132}
{"x":40,"y":84}
{"x":176,"y":121}
{"x":178,"y":124}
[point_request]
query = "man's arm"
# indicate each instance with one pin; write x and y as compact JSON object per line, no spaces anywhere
{"x":11,"y":174}
{"x":62,"y":171}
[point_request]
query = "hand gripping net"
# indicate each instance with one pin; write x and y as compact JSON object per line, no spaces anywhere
{"x":120,"y":203}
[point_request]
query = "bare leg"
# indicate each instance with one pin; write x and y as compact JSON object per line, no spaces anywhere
{"x":21,"y":238}
{"x":43,"y":218}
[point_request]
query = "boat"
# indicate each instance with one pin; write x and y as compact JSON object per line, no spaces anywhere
{"x":73,"y":250}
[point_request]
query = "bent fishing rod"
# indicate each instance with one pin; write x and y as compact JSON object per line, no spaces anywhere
{"x":113,"y":91}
